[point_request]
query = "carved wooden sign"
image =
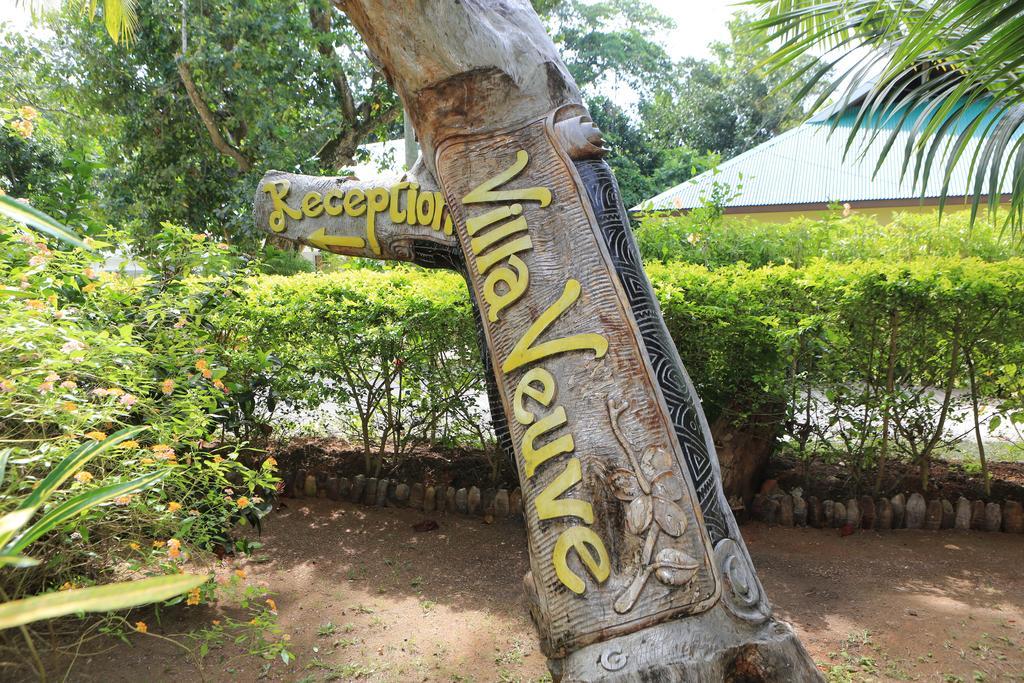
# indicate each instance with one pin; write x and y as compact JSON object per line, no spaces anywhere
{"x":348,"y":216}
{"x":594,"y":447}
{"x":638,"y":570}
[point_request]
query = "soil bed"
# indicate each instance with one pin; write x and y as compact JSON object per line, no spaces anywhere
{"x":362,"y":596}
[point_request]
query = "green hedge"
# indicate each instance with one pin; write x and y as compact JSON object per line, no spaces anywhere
{"x":727,"y":240}
{"x":753,"y":339}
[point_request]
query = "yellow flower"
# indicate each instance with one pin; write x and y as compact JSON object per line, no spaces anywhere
{"x":96,"y":435}
{"x":270,"y":462}
{"x":147,"y":461}
{"x":83,"y":477}
{"x":23,"y":128}
{"x":134,"y":546}
{"x":217,"y":458}
{"x":129,"y":443}
{"x":243,"y":502}
{"x":6,"y":385}
{"x":215,"y":622}
{"x":220,"y":385}
{"x":167,"y":386}
{"x":89,"y":287}
{"x":69,"y":384}
{"x":89,"y":273}
{"x":141,"y":627}
{"x":34,"y":303}
{"x":271,"y":604}
{"x":240,"y":573}
{"x":193,"y":597}
{"x":173,"y":506}
{"x":45,"y":387}
{"x":122,"y":500}
{"x":159,"y":544}
{"x":174,"y":547}
{"x":69,"y":406}
{"x":207,"y":373}
{"x":199,"y":237}
{"x":201,"y":364}
{"x":66,"y":586}
{"x":223,"y":245}
{"x":28,"y":113}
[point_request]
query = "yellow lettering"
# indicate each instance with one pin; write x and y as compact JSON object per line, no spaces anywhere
{"x":447,"y":224}
{"x":311,"y":205}
{"x":592,"y":553}
{"x":438,"y":211}
{"x":475,"y":225}
{"x":532,"y":456}
{"x":397,"y":216}
{"x":548,"y":503}
{"x":515,"y":276}
{"x":542,"y":395}
{"x":492,"y":237}
{"x":425,"y":208}
{"x":525,"y":352}
{"x":484,"y":263}
{"x":277,"y":222}
{"x":330,"y":206}
{"x":485,"y":192}
{"x":377,"y":201}
{"x":354,"y":203}
{"x":410,"y":204}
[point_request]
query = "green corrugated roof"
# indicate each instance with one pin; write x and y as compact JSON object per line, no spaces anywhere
{"x":806,"y":165}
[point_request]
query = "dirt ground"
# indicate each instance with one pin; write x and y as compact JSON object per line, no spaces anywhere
{"x":361,"y":595}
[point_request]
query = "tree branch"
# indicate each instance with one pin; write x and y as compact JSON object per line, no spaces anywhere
{"x":207,"y":117}
{"x":321,"y":21}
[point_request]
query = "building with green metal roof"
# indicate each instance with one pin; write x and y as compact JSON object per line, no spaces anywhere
{"x":808,"y":168}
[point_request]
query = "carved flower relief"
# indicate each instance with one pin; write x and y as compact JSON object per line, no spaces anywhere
{"x":650,"y":491}
{"x":658,"y":505}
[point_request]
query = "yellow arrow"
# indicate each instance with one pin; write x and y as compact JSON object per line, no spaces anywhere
{"x":321,"y":240}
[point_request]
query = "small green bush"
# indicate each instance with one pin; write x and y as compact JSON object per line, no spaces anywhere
{"x":84,"y":353}
{"x":727,"y":241}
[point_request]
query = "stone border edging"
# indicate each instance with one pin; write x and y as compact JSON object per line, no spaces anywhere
{"x":494,"y":503}
{"x":775,"y":506}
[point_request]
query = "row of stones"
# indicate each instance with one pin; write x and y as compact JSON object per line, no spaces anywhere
{"x":373,"y":491}
{"x":898,"y":512}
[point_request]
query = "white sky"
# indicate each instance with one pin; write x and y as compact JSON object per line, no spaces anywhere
{"x":698,"y":22}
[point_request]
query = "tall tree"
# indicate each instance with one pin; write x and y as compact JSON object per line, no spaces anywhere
{"x":207,"y":92}
{"x":950,"y":70}
{"x":727,"y":104}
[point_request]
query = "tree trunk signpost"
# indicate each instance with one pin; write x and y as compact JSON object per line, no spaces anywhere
{"x":638,"y":571}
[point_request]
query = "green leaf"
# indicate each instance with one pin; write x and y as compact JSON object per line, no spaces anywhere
{"x":107,"y":598}
{"x":13,"y":522}
{"x":77,"y":505}
{"x":34,"y":218}
{"x":73,"y":462}
{"x":19,"y":561}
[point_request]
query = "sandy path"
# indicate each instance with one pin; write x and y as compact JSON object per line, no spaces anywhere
{"x":362,"y":595}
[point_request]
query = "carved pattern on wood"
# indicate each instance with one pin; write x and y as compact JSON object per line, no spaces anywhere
{"x":682,"y":404}
{"x":573,"y":290}
{"x":742,"y":593}
{"x":650,"y":489}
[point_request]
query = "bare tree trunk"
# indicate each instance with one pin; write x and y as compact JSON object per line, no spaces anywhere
{"x":638,"y":570}
{"x":975,"y":412}
{"x":890,"y":384}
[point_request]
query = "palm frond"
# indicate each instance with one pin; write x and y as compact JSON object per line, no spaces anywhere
{"x":949,"y":71}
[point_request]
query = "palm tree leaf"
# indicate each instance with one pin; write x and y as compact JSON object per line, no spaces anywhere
{"x":107,"y":598}
{"x":34,"y":218}
{"x":73,"y":462}
{"x":77,"y":505}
